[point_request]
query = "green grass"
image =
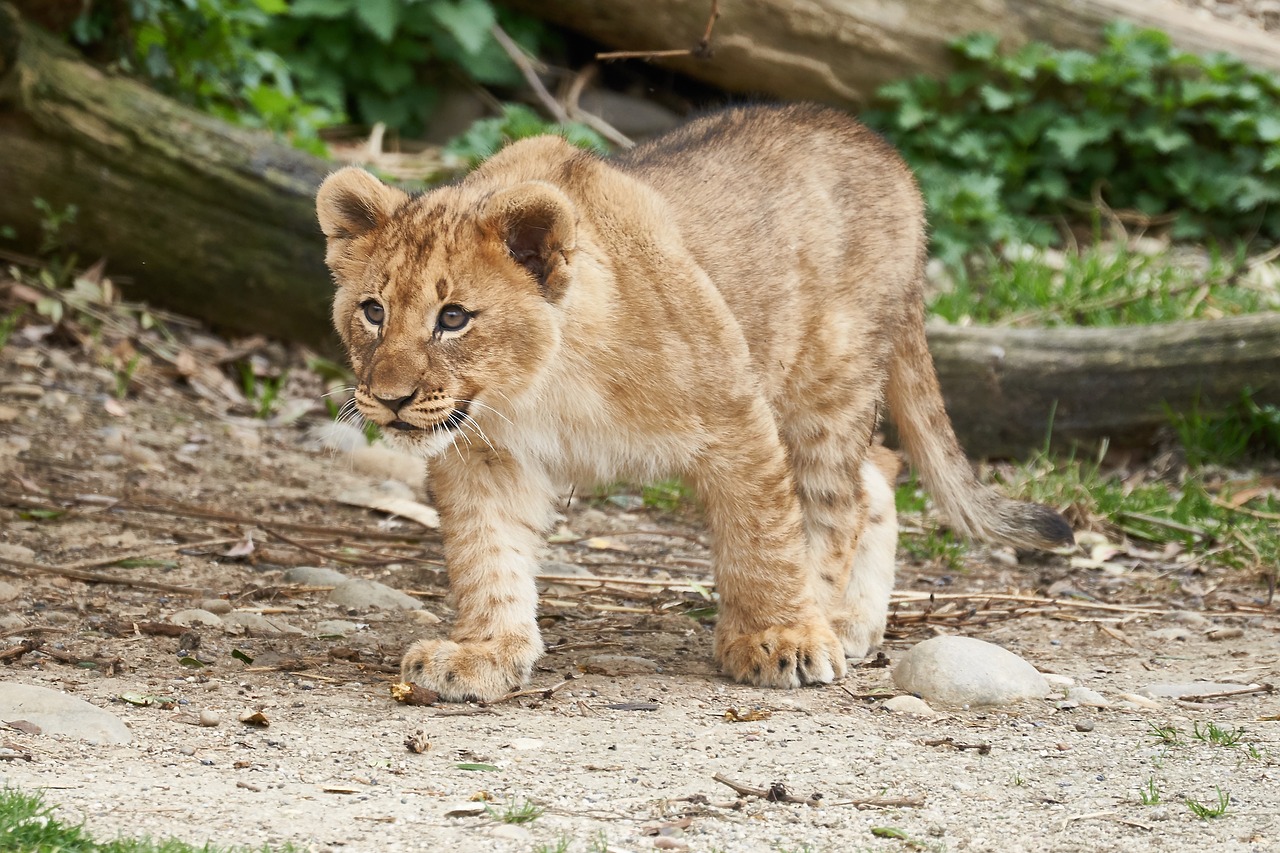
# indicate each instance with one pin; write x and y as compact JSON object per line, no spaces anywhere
{"x":1182,"y":511}
{"x":1100,"y":285}
{"x":524,"y":812}
{"x":1205,"y":812}
{"x":28,"y":825}
{"x":1244,"y":429}
{"x":1212,"y":733}
{"x":1165,"y":734}
{"x":1149,"y":793}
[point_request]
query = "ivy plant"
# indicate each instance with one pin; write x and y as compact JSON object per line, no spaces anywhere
{"x":1012,"y":144}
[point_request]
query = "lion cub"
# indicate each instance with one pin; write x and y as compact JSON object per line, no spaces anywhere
{"x":731,"y":303}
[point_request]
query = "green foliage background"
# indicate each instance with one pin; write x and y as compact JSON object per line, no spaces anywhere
{"x":1013,"y":145}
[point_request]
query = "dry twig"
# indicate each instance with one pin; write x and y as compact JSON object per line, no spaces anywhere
{"x":701,"y":51}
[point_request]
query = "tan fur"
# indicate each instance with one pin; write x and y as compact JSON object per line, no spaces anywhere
{"x":725,"y":303}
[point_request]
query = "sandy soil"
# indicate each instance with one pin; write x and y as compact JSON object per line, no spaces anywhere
{"x":623,"y":755}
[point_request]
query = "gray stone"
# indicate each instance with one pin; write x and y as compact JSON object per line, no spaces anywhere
{"x":336,"y":627}
{"x":911,"y":705}
{"x":566,"y":569}
{"x":314,"y":576}
{"x":21,"y":553}
{"x":219,"y":606}
{"x":1088,"y":698}
{"x":187,"y":618}
{"x":59,"y":714}
{"x":1194,"y":688}
{"x":362,"y":594}
{"x":964,"y":671}
{"x":8,"y":591}
{"x":248,"y":622}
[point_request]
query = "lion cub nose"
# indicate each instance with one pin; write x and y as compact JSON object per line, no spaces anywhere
{"x":395,"y":404}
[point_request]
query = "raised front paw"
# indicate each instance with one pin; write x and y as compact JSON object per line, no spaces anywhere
{"x":781,"y":655}
{"x":480,"y":671}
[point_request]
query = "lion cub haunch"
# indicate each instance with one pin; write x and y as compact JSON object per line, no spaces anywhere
{"x":732,"y":302}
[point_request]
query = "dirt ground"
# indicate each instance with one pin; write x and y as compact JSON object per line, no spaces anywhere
{"x":621,"y":748}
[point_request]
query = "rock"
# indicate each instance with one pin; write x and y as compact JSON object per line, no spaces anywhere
{"x":423,"y":617}
{"x":523,"y":743}
{"x":912,"y":706}
{"x":567,"y":569}
{"x":1056,"y":680}
{"x":1084,"y":725}
{"x":1171,"y":634}
{"x":59,"y":714}
{"x":360,"y":594}
{"x":188,"y":618}
{"x":8,"y":591}
{"x":21,"y":553}
{"x":1088,"y":698}
{"x":511,"y":832}
{"x":12,"y":622}
{"x":1191,"y":618}
{"x":219,"y":606}
{"x":314,"y":576}
{"x":1141,"y":703}
{"x":335,"y":628}
{"x":965,"y":671}
{"x":8,"y":414}
{"x":248,"y":622}
{"x":1194,"y":688}
{"x":209,"y":718}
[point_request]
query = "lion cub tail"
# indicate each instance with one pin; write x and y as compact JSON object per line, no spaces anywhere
{"x":976,"y":510}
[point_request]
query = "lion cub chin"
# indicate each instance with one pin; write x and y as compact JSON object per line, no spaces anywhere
{"x":733,"y":302}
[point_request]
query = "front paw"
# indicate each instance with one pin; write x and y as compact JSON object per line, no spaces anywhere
{"x":460,"y":672}
{"x":806,"y":652}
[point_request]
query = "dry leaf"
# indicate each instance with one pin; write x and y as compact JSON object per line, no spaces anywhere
{"x":24,"y":726}
{"x":382,"y":502}
{"x":243,"y":548}
{"x":255,"y":718}
{"x":733,"y":715}
{"x":413,"y":694}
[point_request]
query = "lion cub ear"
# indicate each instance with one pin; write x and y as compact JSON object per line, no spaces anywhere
{"x":536,"y":223}
{"x":351,"y":203}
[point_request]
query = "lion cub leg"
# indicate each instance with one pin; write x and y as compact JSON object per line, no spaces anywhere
{"x":859,"y":614}
{"x":849,"y":519}
{"x":493,"y":514}
{"x":771,"y":631}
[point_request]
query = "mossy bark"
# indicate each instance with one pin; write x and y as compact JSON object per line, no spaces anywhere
{"x":1008,"y":389}
{"x":199,"y":216}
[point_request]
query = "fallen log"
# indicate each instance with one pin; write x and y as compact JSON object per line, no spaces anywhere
{"x":218,"y":222}
{"x":841,"y":51}
{"x":202,"y":217}
{"x":1008,"y":390}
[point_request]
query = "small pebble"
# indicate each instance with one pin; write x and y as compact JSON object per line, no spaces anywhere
{"x":1084,"y":725}
{"x":209,"y":719}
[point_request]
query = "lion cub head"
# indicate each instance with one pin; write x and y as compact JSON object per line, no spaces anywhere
{"x":448,"y":303}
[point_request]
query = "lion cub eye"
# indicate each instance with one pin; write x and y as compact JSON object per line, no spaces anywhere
{"x":373,"y":312}
{"x":453,"y":317}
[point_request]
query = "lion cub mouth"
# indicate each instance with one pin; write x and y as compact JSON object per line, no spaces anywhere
{"x":452,"y":421}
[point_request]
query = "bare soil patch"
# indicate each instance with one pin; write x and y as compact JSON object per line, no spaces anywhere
{"x":158,"y":488}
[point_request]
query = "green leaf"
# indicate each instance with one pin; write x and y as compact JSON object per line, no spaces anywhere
{"x":476,"y":766}
{"x":1071,"y":136}
{"x":381,"y":17}
{"x":468,"y":21}
{"x":322,"y":8}
{"x":995,"y":99}
{"x":242,"y":657}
